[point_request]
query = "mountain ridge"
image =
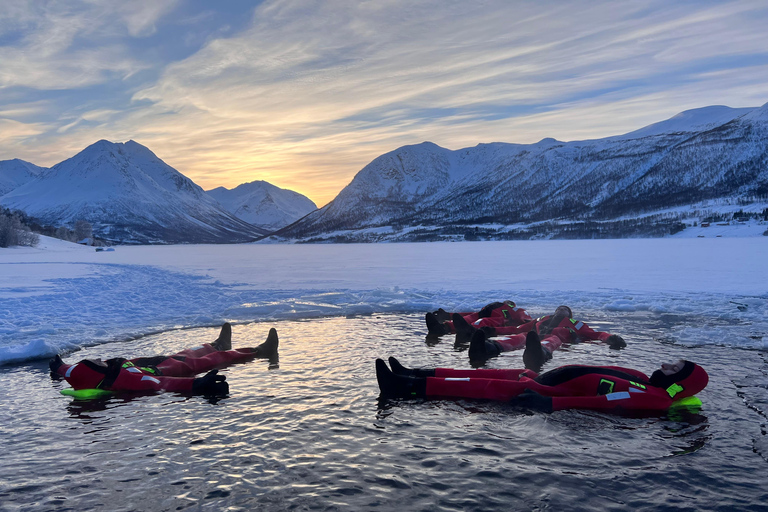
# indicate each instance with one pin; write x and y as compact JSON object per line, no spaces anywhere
{"x":260,"y":202}
{"x":129,"y":195}
{"x":701,"y":154}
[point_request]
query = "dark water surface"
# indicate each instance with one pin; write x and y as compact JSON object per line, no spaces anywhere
{"x":312,"y":434}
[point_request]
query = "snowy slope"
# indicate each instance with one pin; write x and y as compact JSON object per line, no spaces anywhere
{"x":263,"y":204}
{"x":14,"y":173}
{"x":713,"y":153}
{"x":695,"y":120}
{"x":129,"y":195}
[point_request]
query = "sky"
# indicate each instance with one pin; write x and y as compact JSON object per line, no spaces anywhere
{"x":303,"y":94}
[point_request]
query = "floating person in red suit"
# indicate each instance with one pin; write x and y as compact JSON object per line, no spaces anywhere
{"x":495,"y":314}
{"x":166,"y":373}
{"x":553,"y":331}
{"x":600,"y":388}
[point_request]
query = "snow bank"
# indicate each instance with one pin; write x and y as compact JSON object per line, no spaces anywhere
{"x":60,"y":296}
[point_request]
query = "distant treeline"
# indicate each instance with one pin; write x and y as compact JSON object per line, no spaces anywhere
{"x":18,"y":228}
{"x":649,"y":226}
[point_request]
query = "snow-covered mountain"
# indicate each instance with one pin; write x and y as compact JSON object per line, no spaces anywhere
{"x":617,"y":184}
{"x":129,"y":195}
{"x":263,"y":204}
{"x":14,"y":173}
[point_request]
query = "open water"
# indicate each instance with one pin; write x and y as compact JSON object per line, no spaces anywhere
{"x":310,"y":433}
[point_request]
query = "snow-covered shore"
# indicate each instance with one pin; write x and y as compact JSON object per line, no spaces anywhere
{"x":60,"y":296}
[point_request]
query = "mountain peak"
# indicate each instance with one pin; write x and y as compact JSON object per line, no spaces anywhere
{"x":262,"y":204}
{"x":128,"y":194}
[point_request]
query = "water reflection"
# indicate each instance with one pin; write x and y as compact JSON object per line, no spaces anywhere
{"x":310,"y":432}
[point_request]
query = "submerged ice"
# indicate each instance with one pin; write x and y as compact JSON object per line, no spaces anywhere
{"x":59,"y":297}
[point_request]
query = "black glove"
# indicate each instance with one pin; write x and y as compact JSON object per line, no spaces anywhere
{"x":532,"y":400}
{"x":210,"y":384}
{"x":615,"y":341}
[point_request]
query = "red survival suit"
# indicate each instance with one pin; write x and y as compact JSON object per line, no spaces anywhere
{"x":497,"y":315}
{"x":567,"y":331}
{"x":573,"y":386}
{"x":161,"y":373}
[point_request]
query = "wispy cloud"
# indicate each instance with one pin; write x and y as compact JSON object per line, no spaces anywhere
{"x":72,"y":44}
{"x":306,"y":93}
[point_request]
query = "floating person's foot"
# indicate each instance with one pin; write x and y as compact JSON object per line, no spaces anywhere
{"x":534,"y":355}
{"x":55,"y":363}
{"x":442,"y":315}
{"x":615,"y":342}
{"x":224,"y":341}
{"x":434,"y":326}
{"x":398,"y":386}
{"x":477,"y":347}
{"x":464,"y":330}
{"x":399,"y":369}
{"x":268,"y":349}
{"x":481,"y":349}
{"x":489,"y":331}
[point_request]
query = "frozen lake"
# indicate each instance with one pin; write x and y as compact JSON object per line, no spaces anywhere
{"x":311,"y":433}
{"x":59,"y":297}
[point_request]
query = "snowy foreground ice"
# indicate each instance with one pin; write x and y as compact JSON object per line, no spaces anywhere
{"x":58,"y":296}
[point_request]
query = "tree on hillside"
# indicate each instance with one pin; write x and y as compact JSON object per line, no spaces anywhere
{"x":83,"y":229}
{"x":14,"y":232}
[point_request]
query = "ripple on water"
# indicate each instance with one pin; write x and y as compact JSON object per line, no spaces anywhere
{"x":311,"y":434}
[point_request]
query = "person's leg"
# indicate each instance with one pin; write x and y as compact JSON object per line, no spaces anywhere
{"x":509,"y":343}
{"x":223,"y":342}
{"x":401,"y":386}
{"x":176,"y":366}
{"x":507,"y":330}
{"x":476,"y":388}
{"x":484,"y":373}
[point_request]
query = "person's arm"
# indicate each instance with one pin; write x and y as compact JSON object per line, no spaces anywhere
{"x":586,"y":332}
{"x":199,"y":351}
{"x":623,"y":400}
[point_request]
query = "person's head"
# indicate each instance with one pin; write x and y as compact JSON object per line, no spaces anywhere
{"x":561,"y":313}
{"x":680,"y":379}
{"x":510,"y":303}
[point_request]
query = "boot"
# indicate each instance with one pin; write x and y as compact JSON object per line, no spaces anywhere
{"x":534,"y":355}
{"x":442,"y":315}
{"x":489,"y":331}
{"x":268,"y":349}
{"x":399,"y":386}
{"x":481,"y":349}
{"x":224,"y":341}
{"x":399,"y":369}
{"x":464,"y":331}
{"x":434,"y":326}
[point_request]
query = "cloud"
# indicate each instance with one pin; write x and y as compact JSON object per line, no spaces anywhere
{"x":73,"y":44}
{"x":309,"y":92}
{"x":141,"y":16}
